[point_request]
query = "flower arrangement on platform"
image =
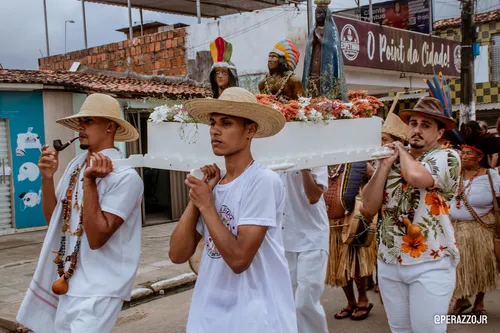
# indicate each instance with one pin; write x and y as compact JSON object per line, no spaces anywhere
{"x":316,"y":110}
{"x":321,"y":109}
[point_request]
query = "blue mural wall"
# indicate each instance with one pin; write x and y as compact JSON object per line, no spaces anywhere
{"x":24,"y":110}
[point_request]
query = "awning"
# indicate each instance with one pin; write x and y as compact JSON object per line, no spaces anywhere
{"x":209,"y":8}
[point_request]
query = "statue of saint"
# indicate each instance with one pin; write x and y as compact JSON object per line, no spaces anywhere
{"x":281,"y":80}
{"x":323,"y":64}
{"x":223,"y":73}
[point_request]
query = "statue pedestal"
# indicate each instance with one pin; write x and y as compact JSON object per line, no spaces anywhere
{"x":300,"y":145}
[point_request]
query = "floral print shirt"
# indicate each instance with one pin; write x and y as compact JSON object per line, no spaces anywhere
{"x":426,"y":207}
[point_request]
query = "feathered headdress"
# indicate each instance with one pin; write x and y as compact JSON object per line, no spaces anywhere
{"x":287,"y":49}
{"x":474,"y":138}
{"x":221,"y":51}
{"x":440,"y":89}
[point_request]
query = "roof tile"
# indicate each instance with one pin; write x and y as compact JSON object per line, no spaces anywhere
{"x":485,"y":17}
{"x":81,"y":81}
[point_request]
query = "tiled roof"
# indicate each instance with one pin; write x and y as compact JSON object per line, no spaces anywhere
{"x":485,"y":17}
{"x":86,"y":82}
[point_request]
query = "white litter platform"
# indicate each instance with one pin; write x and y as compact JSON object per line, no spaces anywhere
{"x":300,"y":145}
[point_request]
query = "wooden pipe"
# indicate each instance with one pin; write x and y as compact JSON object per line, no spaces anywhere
{"x":59,"y":146}
{"x":412,"y":230}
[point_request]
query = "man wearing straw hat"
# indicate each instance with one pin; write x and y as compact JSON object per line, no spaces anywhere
{"x":243,"y":282}
{"x":417,"y":254}
{"x":91,"y":251}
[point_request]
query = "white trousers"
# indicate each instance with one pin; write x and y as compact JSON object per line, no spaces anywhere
{"x":414,"y":294}
{"x":87,"y":314}
{"x":308,"y":271}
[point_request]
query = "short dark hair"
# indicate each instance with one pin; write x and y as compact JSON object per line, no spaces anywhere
{"x":283,"y":65}
{"x":440,"y":124}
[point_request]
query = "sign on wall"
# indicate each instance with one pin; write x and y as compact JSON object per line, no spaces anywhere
{"x":374,"y":46}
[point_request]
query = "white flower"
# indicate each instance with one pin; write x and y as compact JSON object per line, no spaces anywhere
{"x":348,"y":105}
{"x":315,"y":116}
{"x":304,"y":101}
{"x":183,"y":117}
{"x":157,"y":116}
{"x":275,"y":106}
{"x":347,"y":114}
{"x":302,"y":116}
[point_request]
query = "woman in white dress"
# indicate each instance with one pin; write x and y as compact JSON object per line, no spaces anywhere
{"x":472,"y":212}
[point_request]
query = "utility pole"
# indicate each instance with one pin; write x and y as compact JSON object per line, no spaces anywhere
{"x":467,"y":109}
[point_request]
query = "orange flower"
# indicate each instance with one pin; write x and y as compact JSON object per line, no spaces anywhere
{"x":435,"y":254}
{"x":438,"y":205}
{"x":414,"y":246}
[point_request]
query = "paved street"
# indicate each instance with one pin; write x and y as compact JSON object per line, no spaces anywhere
{"x":19,"y":257}
{"x":169,"y":315}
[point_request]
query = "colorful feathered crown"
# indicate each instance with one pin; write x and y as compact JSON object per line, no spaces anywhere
{"x":287,"y":49}
{"x":221,"y":51}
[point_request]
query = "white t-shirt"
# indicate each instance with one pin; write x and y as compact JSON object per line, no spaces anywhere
{"x":479,"y":197}
{"x":110,"y":270}
{"x":260,"y":299}
{"x":306,"y":226}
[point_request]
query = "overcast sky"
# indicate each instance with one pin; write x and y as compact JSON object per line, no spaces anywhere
{"x":22,"y":33}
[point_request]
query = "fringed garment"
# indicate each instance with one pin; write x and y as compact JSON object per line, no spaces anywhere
{"x":342,"y":258}
{"x":343,"y":188}
{"x":477,"y":271}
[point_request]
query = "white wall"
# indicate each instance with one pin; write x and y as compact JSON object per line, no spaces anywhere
{"x":253,"y":35}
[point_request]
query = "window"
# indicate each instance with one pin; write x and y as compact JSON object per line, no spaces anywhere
{"x":495,"y":58}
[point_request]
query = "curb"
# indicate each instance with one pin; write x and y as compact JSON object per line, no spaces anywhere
{"x":160,"y":287}
{"x":157,"y":288}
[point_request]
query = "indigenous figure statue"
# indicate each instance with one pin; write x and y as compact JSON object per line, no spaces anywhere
{"x":281,"y":80}
{"x":323,"y":65}
{"x":223,"y":74}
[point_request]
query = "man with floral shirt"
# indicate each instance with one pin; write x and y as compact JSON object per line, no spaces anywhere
{"x":417,"y":251}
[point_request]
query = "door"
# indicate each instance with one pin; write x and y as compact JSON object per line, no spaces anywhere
{"x":5,"y":180}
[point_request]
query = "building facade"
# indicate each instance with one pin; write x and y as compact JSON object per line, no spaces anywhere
{"x":486,"y":64}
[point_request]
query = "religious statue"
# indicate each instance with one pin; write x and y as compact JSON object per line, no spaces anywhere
{"x":281,"y":80}
{"x":323,"y":65}
{"x":223,"y":73}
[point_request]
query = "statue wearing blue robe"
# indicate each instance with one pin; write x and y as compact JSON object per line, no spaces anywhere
{"x":323,"y":64}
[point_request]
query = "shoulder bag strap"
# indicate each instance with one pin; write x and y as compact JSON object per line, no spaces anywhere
{"x":495,"y":206}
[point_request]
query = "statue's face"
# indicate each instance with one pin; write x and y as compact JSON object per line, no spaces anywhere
{"x":222,"y":77}
{"x":320,"y":16}
{"x":273,"y":61}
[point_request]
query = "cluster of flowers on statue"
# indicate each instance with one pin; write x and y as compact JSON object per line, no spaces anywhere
{"x":321,"y":109}
{"x":165,"y":113}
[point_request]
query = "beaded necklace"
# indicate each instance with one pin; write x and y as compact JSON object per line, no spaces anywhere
{"x":60,"y":287}
{"x":461,"y":189}
{"x":283,"y":84}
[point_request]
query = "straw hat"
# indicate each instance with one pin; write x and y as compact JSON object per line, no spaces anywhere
{"x":393,"y":125}
{"x":238,"y":102}
{"x":103,"y":106}
{"x":430,"y":107}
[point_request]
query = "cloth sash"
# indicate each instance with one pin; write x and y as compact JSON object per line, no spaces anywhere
{"x":351,"y":181}
{"x":38,"y":309}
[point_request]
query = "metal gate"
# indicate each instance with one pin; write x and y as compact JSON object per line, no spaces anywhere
{"x":5,"y":180}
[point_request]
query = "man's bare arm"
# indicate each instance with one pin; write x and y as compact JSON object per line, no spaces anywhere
{"x":313,"y":191}
{"x":413,"y":171}
{"x":99,"y":225}
{"x":237,"y":251}
{"x":185,"y":238}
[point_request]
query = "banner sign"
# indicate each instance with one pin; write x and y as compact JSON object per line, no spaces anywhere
{"x":411,"y":15}
{"x":374,"y":46}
